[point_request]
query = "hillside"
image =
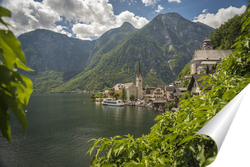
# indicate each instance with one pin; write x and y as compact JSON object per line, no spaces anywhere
{"x":165,"y":46}
{"x":56,"y":58}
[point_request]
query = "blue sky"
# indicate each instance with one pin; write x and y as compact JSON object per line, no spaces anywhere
{"x":89,"y":19}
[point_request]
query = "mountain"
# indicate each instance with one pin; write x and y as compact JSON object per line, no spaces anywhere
{"x":47,"y":50}
{"x":56,"y":58}
{"x":165,"y":46}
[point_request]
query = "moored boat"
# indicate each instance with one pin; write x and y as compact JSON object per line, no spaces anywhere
{"x":112,"y":102}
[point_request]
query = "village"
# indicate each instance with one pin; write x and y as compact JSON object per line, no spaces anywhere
{"x":168,"y":97}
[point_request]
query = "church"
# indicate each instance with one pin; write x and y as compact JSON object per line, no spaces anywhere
{"x":204,"y":62}
{"x":131,"y":87}
{"x":207,"y":58}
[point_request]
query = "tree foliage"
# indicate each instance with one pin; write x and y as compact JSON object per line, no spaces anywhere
{"x":131,"y":97}
{"x":117,"y":95}
{"x":185,"y":95}
{"x":185,"y":71}
{"x":100,"y":95}
{"x":15,"y":89}
{"x":224,"y":36}
{"x":123,"y":95}
{"x":171,"y":141}
{"x":171,"y":105}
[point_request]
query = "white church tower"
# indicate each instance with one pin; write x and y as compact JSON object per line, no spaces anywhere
{"x":139,"y":83}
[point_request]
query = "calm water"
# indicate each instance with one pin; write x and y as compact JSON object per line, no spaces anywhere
{"x":59,"y":126}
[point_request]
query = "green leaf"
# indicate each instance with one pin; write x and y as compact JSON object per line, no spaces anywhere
{"x":4,"y":122}
{"x":12,"y":45}
{"x":4,"y":12}
{"x":203,"y":77}
{"x":209,"y":161}
{"x":200,"y":156}
{"x":109,"y":153}
{"x":187,"y":139}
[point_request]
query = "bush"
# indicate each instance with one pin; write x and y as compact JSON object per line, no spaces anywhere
{"x":131,"y":97}
{"x":171,"y":105}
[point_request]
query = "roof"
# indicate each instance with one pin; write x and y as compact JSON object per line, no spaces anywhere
{"x":127,"y":85}
{"x":161,"y":87}
{"x":118,"y":86}
{"x":159,"y":101}
{"x":210,"y":54}
{"x":174,"y":109}
{"x":208,"y":62}
{"x":195,"y":78}
{"x":182,"y":89}
{"x":169,"y":88}
{"x":177,"y":92}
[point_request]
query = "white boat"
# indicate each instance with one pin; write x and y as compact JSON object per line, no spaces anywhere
{"x":111,"y":102}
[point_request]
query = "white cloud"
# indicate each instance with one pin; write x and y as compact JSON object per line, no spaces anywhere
{"x":150,"y":2}
{"x":29,"y":15}
{"x":205,"y":10}
{"x":160,"y":8}
{"x":178,"y":1}
{"x":88,"y":18}
{"x":215,"y":20}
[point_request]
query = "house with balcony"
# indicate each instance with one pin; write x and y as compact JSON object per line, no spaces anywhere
{"x":177,"y":93}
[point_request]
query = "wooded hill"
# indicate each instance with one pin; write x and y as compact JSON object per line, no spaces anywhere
{"x":63,"y":64}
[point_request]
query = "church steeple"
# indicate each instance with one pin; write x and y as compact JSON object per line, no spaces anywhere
{"x":139,"y":68}
{"x":139,"y":81}
{"x":207,"y":44}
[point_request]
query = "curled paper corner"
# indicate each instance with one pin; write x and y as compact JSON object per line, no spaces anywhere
{"x":230,"y":130}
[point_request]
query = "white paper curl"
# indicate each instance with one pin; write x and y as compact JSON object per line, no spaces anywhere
{"x":230,"y":129}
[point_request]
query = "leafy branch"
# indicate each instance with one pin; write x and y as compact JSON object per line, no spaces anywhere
{"x":15,"y":89}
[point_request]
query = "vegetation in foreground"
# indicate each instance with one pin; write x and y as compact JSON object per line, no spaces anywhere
{"x":15,"y":89}
{"x":171,"y":141}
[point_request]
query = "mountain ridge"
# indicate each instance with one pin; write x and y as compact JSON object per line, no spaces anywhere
{"x":166,"y":45}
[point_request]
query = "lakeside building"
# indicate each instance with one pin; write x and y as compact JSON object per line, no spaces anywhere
{"x":168,"y":91}
{"x":137,"y":89}
{"x":148,"y":92}
{"x":207,"y":58}
{"x":204,"y":62}
{"x":177,"y":93}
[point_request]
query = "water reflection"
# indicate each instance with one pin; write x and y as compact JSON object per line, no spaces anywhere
{"x":59,"y":127}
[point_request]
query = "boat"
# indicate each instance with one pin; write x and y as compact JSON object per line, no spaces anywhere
{"x":111,"y":102}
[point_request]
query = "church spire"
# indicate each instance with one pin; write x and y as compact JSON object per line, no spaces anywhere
{"x":139,"y":67}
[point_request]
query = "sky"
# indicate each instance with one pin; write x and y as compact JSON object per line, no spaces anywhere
{"x":89,"y":19}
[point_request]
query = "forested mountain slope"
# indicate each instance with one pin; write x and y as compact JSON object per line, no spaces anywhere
{"x":165,"y":46}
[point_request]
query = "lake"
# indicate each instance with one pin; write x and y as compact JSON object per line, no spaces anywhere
{"x":60,"y":125}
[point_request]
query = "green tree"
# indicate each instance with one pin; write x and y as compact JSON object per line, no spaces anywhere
{"x":171,"y":105}
{"x":93,"y":96}
{"x":185,"y":95}
{"x":117,"y":95}
{"x":185,"y":83}
{"x":207,"y":70}
{"x":123,"y":95}
{"x":15,"y":89}
{"x":131,"y":97}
